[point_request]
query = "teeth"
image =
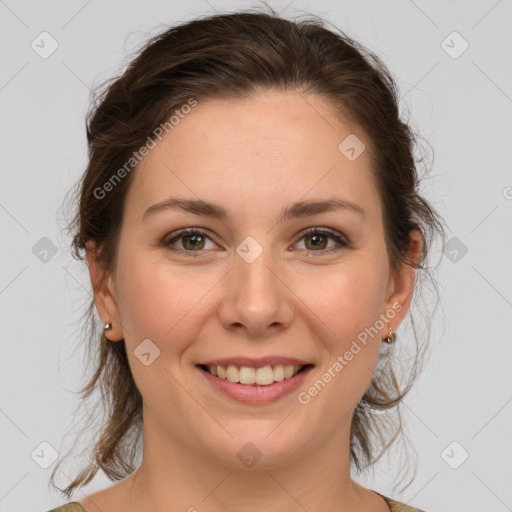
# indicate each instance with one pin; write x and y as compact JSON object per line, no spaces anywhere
{"x":262,"y":376}
{"x":232,"y":374}
{"x":289,"y":371}
{"x":246,"y":375}
{"x":279,"y":373}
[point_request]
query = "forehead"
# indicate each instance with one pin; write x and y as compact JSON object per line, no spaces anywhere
{"x":273,"y":148}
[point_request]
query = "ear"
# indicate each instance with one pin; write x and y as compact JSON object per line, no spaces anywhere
{"x":104,"y":294}
{"x":401,"y":284}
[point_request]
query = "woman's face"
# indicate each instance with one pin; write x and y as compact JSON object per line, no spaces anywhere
{"x":250,"y":283}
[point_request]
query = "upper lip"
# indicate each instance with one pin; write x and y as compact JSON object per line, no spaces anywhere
{"x":255,"y":363}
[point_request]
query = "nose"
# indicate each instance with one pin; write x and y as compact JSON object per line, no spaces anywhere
{"x":256,"y":297}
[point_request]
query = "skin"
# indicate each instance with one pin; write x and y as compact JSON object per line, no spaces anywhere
{"x":253,"y":157}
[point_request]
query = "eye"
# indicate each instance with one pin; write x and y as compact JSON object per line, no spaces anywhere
{"x":319,"y":240}
{"x":192,"y":240}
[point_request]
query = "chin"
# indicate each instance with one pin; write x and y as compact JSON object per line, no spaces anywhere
{"x":258,"y":444}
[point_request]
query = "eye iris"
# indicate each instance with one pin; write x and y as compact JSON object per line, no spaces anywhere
{"x":317,"y":237}
{"x":196,"y":237}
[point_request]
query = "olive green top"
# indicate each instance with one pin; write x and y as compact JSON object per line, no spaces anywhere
{"x":394,"y":506}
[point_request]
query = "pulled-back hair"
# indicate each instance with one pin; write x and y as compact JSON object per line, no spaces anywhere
{"x":237,"y":56}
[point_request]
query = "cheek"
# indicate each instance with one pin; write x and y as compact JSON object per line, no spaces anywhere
{"x":161,"y":302}
{"x":346,"y":299}
{"x":347,"y":304}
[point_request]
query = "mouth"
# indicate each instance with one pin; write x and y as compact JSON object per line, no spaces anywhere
{"x":254,"y":376}
{"x":266,"y":382}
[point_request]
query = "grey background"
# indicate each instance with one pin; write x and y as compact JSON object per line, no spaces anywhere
{"x":462,"y":105}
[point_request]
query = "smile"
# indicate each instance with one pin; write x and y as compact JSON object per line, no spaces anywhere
{"x":255,"y":385}
{"x":248,"y":376}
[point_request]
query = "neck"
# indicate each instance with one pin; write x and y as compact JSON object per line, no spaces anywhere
{"x":176,"y":476}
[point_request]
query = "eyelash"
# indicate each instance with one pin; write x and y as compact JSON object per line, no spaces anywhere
{"x":340,"y":239}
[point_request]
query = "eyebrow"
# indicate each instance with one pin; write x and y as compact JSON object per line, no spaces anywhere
{"x":295,"y":210}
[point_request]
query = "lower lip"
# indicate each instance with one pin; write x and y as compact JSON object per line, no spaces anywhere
{"x":254,"y":394}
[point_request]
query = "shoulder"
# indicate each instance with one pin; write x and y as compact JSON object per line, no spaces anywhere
{"x":397,"y":506}
{"x":394,"y":506}
{"x":73,"y":506}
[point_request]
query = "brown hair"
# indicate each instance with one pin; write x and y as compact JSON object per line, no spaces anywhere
{"x":235,"y":56}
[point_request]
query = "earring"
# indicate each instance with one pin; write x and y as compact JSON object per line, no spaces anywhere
{"x":391,"y":337}
{"x":106,"y":328}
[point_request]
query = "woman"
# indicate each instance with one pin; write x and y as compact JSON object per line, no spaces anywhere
{"x":252,"y":225}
